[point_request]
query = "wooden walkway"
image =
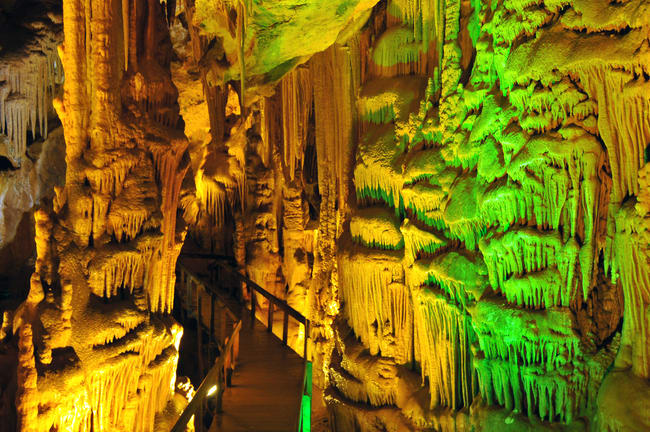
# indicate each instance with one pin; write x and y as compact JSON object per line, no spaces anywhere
{"x":267,"y":382}
{"x":266,"y":385}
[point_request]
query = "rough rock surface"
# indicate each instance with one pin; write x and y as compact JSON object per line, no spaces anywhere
{"x":454,"y":191}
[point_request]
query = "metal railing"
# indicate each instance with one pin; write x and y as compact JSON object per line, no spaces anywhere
{"x":222,"y":264}
{"x":304,"y":416}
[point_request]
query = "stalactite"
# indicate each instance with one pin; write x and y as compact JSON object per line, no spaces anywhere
{"x":411,"y":44}
{"x":376,"y":227}
{"x":631,"y":264}
{"x":537,"y":369}
{"x":333,"y":105}
{"x":110,"y":179}
{"x":375,"y":174}
{"x":109,"y":390}
{"x":296,"y":88}
{"x":26,"y":97}
{"x":562,"y":100}
{"x":418,"y":241}
{"x":443,"y":337}
{"x":397,"y":45}
{"x":551,"y":396}
{"x":376,"y":302}
{"x":171,"y":167}
{"x":125,"y":31}
{"x":119,"y":270}
{"x":383,"y":100}
{"x":215,"y":199}
{"x":268,"y":128}
{"x":154,"y":389}
{"x":529,"y":250}
{"x":622,"y":101}
{"x":425,"y":17}
{"x":461,"y":278}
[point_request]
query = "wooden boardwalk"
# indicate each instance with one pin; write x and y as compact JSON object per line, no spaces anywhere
{"x":267,"y":382}
{"x":266,"y":385}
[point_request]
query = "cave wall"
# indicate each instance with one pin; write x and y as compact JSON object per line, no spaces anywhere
{"x":454,"y":191}
{"x":498,"y":237}
{"x":481,"y":254}
{"x":31,"y":140}
{"x":95,"y":347}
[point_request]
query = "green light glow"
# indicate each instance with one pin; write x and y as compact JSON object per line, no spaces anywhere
{"x":305,"y":402}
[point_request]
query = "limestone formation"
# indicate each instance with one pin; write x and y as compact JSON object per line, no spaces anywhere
{"x":456,"y":193}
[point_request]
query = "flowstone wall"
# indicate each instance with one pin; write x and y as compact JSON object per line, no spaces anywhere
{"x":499,"y":235}
{"x":482,"y":252}
{"x":96,"y":347}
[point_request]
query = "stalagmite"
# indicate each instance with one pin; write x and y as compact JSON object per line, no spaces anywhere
{"x":27,"y":396}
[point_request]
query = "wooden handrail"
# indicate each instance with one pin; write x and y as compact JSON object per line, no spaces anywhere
{"x":208,"y":287}
{"x":272,"y":298}
{"x":210,"y":380}
{"x":273,"y":301}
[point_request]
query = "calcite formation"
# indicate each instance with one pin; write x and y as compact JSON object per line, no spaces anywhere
{"x":91,"y":356}
{"x":456,"y":193}
{"x":512,"y":180}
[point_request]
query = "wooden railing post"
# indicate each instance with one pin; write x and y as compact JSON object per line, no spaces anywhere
{"x":270,"y":317}
{"x":222,"y":325}
{"x":220,"y":391}
{"x":184,"y":284}
{"x":306,"y":349}
{"x":235,"y":350}
{"x":285,"y":328}
{"x":198,"y":418}
{"x":199,"y":334}
{"x":211,"y":340}
{"x":253,"y":302}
